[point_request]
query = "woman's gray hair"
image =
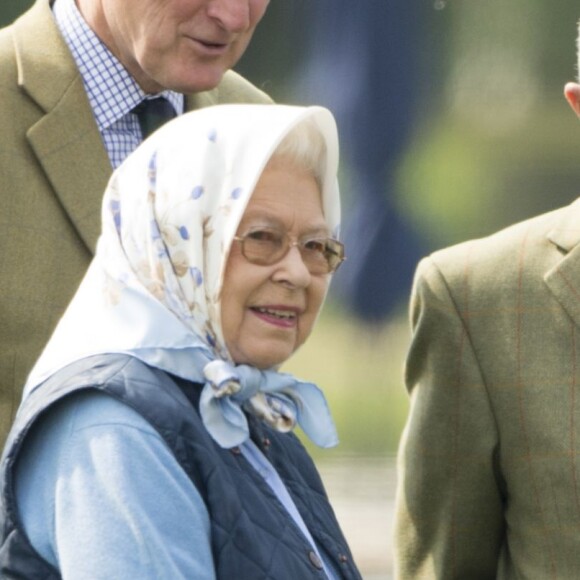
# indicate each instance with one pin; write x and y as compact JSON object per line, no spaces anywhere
{"x":305,"y":148}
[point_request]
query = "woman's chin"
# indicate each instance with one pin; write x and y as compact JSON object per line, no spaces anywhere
{"x":263,"y":360}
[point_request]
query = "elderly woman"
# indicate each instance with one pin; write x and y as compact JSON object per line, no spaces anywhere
{"x":153,"y":439}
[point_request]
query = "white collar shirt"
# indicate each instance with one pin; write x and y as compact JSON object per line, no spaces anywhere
{"x":112,"y":92}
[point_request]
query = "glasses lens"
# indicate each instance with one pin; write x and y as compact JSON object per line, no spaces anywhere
{"x":322,"y":256}
{"x":314,"y":256}
{"x":266,"y":246}
{"x":263,"y":246}
{"x":334,"y":254}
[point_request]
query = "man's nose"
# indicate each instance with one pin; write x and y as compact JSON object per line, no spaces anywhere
{"x":233,"y":15}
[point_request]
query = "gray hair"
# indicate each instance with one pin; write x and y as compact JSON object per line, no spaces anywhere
{"x":304,"y":147}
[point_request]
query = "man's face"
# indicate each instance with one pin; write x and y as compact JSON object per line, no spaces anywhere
{"x":183,"y":45}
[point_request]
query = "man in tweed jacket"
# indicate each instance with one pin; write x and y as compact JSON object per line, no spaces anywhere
{"x":490,"y":458}
{"x":54,"y":165}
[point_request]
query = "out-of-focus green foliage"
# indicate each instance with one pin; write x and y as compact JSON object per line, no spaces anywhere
{"x":361,"y":373}
{"x":278,"y":48}
{"x":10,"y":9}
{"x":459,"y":181}
{"x":502,"y":144}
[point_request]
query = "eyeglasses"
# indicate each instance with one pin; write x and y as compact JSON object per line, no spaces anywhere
{"x":266,"y":246}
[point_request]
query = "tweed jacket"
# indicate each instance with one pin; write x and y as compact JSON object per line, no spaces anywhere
{"x":54,"y":169}
{"x":489,"y":461}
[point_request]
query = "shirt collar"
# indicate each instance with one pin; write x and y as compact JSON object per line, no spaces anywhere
{"x":111,"y":90}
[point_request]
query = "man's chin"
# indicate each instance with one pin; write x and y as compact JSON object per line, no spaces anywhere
{"x":203,"y":79}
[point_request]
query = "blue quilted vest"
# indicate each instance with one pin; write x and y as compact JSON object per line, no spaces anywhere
{"x":252,"y":535}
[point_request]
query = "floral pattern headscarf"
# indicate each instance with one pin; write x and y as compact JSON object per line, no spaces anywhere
{"x":169,"y":215}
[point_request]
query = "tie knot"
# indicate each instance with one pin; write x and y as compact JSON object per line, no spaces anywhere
{"x":152,"y":113}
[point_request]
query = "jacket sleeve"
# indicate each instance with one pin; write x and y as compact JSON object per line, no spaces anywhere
{"x":449,"y":509}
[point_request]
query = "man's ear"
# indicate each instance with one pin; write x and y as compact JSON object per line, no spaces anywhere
{"x":572,"y":94}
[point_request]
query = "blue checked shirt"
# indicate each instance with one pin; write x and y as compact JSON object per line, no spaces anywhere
{"x":111,"y":90}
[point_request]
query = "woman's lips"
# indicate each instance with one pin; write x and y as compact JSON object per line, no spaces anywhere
{"x":279,"y":316}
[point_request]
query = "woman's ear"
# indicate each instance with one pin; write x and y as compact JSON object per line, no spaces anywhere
{"x":572,"y":94}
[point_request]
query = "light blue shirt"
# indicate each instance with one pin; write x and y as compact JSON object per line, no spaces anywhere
{"x":101,"y":496}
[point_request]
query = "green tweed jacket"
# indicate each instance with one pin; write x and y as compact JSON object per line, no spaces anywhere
{"x":489,"y":463}
{"x":53,"y":172}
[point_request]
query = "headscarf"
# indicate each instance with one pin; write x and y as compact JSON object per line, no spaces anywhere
{"x":152,"y":291}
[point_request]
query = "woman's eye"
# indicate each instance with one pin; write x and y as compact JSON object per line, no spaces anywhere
{"x":264,"y":236}
{"x":315,"y":246}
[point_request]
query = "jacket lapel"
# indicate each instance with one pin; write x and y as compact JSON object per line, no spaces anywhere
{"x":564,"y":278}
{"x":65,"y":139}
{"x":200,"y":100}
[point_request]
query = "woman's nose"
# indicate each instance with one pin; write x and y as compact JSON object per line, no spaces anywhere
{"x":292,"y":269}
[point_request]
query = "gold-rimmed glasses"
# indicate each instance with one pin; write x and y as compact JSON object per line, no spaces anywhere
{"x":266,"y":246}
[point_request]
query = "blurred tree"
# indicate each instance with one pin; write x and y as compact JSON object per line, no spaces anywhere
{"x":363,"y":64}
{"x":277,"y":49}
{"x":10,"y":9}
{"x":504,"y":145}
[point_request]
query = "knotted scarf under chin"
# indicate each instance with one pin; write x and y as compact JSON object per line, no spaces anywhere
{"x":278,"y":399}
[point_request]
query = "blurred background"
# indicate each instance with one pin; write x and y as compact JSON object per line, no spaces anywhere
{"x":452,"y":125}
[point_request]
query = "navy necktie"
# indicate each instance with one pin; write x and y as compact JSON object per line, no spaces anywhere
{"x":152,"y":113}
